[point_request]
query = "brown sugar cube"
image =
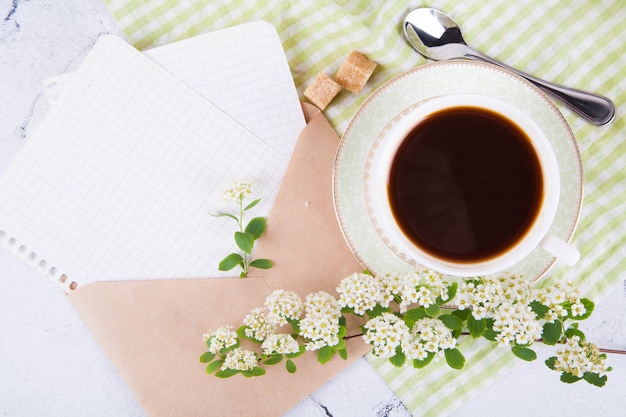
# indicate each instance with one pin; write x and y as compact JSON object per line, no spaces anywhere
{"x":322,"y":90}
{"x":355,"y":71}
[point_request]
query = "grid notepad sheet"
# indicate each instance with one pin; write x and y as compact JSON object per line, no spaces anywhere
{"x":120,"y":177}
{"x":243,"y":71}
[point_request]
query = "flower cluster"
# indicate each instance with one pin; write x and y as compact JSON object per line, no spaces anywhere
{"x":561,"y":300}
{"x":320,"y":325}
{"x":578,"y":358}
{"x":257,"y":325}
{"x":430,"y":335}
{"x":221,"y":338}
{"x":280,"y":344}
{"x":409,"y":317}
{"x":360,"y":292}
{"x":386,"y":333}
{"x":283,"y":306}
{"x":421,"y":286}
{"x":515,"y":324}
{"x":241,"y":360}
{"x":238,"y":191}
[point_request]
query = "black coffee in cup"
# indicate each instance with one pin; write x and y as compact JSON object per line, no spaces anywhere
{"x":465,"y":185}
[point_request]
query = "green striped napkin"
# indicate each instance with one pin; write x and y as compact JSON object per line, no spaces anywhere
{"x":579,"y":43}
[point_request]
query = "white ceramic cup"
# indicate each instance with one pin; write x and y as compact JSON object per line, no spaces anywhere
{"x":377,"y":178}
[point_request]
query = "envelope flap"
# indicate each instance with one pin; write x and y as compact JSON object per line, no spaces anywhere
{"x":152,"y":330}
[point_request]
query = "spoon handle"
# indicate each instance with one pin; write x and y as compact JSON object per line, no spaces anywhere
{"x":596,"y":109}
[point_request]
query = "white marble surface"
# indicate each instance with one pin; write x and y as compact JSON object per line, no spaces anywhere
{"x":50,"y":365}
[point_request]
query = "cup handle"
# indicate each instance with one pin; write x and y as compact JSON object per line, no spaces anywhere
{"x":561,"y":250}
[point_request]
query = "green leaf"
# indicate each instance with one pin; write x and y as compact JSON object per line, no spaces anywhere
{"x":241,"y":332}
{"x":489,"y":333}
{"x":432,"y":310}
{"x":258,"y":371}
{"x":324,"y":354}
{"x":291,"y":366}
{"x":413,"y":315}
{"x":451,"y":322}
{"x":377,"y":311}
{"x":524,"y":353}
{"x":295,"y":325}
{"x":454,"y":358}
{"x":273,"y":359}
{"x":551,"y":362}
{"x":573,"y":331}
{"x":230,"y":262}
{"x":461,"y":314}
{"x":245,"y":241}
{"x":589,"y":306}
{"x":551,"y":333}
{"x":476,"y":327}
{"x":226,"y":373}
{"x":343,"y":353}
{"x":207,"y":357}
{"x":212,"y":366}
{"x":256,"y":227}
{"x":254,"y":203}
{"x":225,"y":215}
{"x":399,"y":358}
{"x":539,"y":309}
{"x":569,"y":378}
{"x":262,"y":263}
{"x":452,"y":289}
{"x":419,"y":364}
{"x":595,"y":379}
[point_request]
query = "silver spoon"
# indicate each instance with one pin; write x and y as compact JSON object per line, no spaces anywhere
{"x":436,"y":36}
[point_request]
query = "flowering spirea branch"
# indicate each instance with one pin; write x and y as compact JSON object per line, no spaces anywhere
{"x":409,"y":319}
{"x":245,"y":238}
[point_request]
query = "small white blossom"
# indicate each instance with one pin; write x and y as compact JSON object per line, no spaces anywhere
{"x":240,"y":360}
{"x":258,"y":326}
{"x":282,"y":344}
{"x":385,"y":333}
{"x":220,"y":338}
{"x":283,"y":306}
{"x":578,"y":309}
{"x":360,"y":292}
{"x":578,"y":356}
{"x":320,"y":325}
{"x":429,"y":335}
{"x":238,"y":191}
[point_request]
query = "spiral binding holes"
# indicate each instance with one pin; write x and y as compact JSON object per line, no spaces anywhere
{"x":32,"y":258}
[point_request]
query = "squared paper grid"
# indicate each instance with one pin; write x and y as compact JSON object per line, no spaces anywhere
{"x":119,"y":180}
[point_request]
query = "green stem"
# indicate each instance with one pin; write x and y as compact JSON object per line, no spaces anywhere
{"x":245,"y":255}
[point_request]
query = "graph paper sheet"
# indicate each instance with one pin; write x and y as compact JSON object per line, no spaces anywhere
{"x":119,"y":179}
{"x":242,"y":70}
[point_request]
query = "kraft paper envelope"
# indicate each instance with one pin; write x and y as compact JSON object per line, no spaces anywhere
{"x":152,"y":330}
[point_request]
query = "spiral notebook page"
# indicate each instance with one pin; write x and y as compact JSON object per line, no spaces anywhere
{"x":243,"y":70}
{"x":119,"y":179}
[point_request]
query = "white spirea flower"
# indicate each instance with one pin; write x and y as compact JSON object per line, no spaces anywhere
{"x":360,"y":292}
{"x":258,"y":326}
{"x":516,"y":323}
{"x":578,"y":356}
{"x":486,"y":294}
{"x":421,"y":286}
{"x":240,"y":359}
{"x":429,"y":335}
{"x":320,"y":325}
{"x":385,"y":333}
{"x":282,"y":344}
{"x":222,"y":337}
{"x":555,"y":297}
{"x":238,"y":190}
{"x":283,"y":306}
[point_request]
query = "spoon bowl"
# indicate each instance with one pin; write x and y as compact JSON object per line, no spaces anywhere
{"x":436,"y":36}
